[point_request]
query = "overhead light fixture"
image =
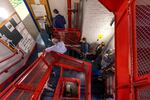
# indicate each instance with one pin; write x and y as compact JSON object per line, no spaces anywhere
{"x":3,"y":13}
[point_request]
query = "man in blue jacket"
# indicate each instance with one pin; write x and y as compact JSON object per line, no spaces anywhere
{"x":59,"y":23}
{"x":59,"y":20}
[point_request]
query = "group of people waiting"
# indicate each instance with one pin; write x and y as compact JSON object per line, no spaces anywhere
{"x":101,"y":57}
{"x":58,"y":44}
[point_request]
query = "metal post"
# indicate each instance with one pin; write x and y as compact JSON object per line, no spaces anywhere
{"x":69,"y":14}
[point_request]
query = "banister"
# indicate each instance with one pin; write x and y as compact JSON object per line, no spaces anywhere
{"x":10,"y":66}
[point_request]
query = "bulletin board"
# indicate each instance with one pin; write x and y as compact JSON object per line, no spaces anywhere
{"x":40,"y":9}
{"x":15,"y":31}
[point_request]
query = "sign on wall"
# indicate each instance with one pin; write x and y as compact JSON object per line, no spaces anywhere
{"x":15,"y":33}
{"x":39,"y":10}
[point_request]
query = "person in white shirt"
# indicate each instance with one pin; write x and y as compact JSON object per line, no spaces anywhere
{"x":58,"y":46}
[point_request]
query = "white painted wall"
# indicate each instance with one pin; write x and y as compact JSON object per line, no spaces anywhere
{"x":5,"y":52}
{"x":7,"y":6}
{"x":96,"y":20}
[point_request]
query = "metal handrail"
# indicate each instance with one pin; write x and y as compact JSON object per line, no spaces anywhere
{"x":19,"y":82}
{"x":7,"y":58}
{"x":13,"y":64}
{"x":74,"y":31}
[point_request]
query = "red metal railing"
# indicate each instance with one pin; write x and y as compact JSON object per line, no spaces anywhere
{"x":69,"y":14}
{"x":71,"y":36}
{"x":9,"y":80}
{"x":8,"y":57}
{"x":132,"y":21}
{"x":33,"y":65}
{"x":31,"y":82}
{"x":141,"y":69}
{"x":13,"y":64}
{"x":14,"y":51}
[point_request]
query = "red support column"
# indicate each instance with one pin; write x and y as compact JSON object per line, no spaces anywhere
{"x":69,"y":14}
{"x":77,"y":15}
{"x":122,"y":46}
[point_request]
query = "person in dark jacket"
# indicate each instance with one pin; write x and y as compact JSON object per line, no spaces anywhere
{"x":84,"y":47}
{"x":99,"y":54}
{"x":48,"y":28}
{"x":59,"y":20}
{"x":59,"y":23}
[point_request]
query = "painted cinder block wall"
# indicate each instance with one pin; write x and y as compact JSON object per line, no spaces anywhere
{"x":96,"y":20}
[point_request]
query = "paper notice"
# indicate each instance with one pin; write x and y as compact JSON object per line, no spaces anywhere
{"x":24,"y":33}
{"x":16,"y":18}
{"x":42,"y":24}
{"x":39,"y":10}
{"x":20,"y":27}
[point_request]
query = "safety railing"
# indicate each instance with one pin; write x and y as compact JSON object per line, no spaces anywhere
{"x":14,"y":52}
{"x":30,"y":84}
{"x":141,"y":55}
{"x":19,"y":77}
{"x":8,"y":57}
{"x":13,"y":64}
{"x":71,"y":36}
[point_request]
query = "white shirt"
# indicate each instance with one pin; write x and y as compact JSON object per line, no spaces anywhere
{"x":59,"y":47}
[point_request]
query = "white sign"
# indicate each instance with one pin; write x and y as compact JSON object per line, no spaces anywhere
{"x":16,"y":18}
{"x":9,"y":26}
{"x":20,"y":27}
{"x":42,"y":24}
{"x":27,"y":42}
{"x":24,"y":33}
{"x":39,"y":10}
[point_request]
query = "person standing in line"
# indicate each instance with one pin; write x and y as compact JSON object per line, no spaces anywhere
{"x":99,"y":54}
{"x":58,"y":46}
{"x":84,"y":47}
{"x":59,"y":23}
{"x":47,"y":28}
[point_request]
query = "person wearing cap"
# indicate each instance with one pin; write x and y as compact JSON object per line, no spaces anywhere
{"x":58,"y":46}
